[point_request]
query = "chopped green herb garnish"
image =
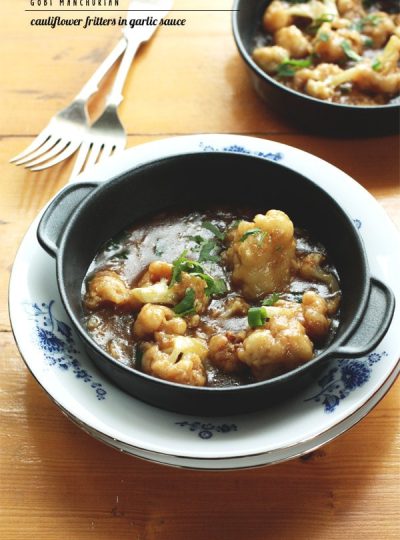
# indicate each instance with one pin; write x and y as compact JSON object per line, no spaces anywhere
{"x":372,"y":19}
{"x":304,"y":62}
{"x":206,"y":251}
{"x":197,"y":239}
{"x":358,"y":25}
{"x":219,"y":287}
{"x":326,"y":17}
{"x":376,"y":65}
{"x":186,"y":305}
{"x":215,"y":287}
{"x":286,"y":68}
{"x":367,"y":41}
{"x":257,"y":316}
{"x":235,"y":224}
{"x":183,"y":264}
{"x":261,"y":234}
{"x":271,"y":300}
{"x":349,"y":51}
{"x":323,"y":36}
{"x":214,"y":229}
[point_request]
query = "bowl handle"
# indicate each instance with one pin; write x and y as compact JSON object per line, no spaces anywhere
{"x":374,"y":323}
{"x":57,"y":213}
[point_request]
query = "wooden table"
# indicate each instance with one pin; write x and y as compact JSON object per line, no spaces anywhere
{"x":56,"y":481}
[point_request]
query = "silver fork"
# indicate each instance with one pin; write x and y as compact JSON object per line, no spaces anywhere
{"x":65,"y":131}
{"x":107,"y":135}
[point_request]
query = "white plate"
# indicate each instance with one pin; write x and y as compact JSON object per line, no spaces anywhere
{"x":346,"y":391}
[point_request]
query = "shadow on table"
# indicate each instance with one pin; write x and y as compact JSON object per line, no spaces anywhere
{"x":92,"y":487}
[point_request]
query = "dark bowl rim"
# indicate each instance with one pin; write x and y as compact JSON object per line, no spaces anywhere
{"x":328,"y":353}
{"x":279,"y":86}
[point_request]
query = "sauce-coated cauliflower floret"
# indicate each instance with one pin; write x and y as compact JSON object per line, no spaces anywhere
{"x":330,"y":44}
{"x":157,"y":293}
{"x":373,"y":81}
{"x":276,"y":16}
{"x":153,"y":318}
{"x":262,"y":254}
{"x":312,"y":313}
{"x":294,"y":41}
{"x":176,"y":359}
{"x":314,"y":81}
{"x":269,"y":58}
{"x":280,"y":14}
{"x":153,"y":287}
{"x":235,"y":307}
{"x":283,"y":341}
{"x":223,"y":351}
{"x":107,"y":287}
{"x":350,"y":8}
{"x":189,"y":281}
{"x":156,"y":271}
{"x":383,"y":75}
{"x":379,"y":27}
{"x":315,"y":311}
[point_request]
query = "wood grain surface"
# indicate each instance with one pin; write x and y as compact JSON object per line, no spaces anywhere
{"x":56,"y":481}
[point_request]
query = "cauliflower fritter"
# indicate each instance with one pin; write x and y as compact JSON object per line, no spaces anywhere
{"x":366,"y":78}
{"x":350,"y":8}
{"x":107,"y":287}
{"x":269,"y":58}
{"x":153,"y":318}
{"x":283,"y":341}
{"x":156,"y":271}
{"x":262,"y":254}
{"x":223,"y":351}
{"x":159,"y":270}
{"x":176,"y":359}
{"x":294,"y":41}
{"x":157,"y":293}
{"x":314,"y":81}
{"x":379,"y":27}
{"x":276,"y":16}
{"x":189,"y":281}
{"x":329,"y":43}
{"x":236,"y":306}
{"x":309,"y":267}
{"x":315,"y":312}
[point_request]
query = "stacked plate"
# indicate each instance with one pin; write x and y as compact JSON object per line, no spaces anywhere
{"x":345,"y":392}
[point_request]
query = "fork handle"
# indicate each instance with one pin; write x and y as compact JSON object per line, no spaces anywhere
{"x":115,"y":96}
{"x":92,"y":86}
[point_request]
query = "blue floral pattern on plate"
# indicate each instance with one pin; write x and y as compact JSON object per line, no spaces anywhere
{"x":340,"y":381}
{"x":54,"y":338}
{"x":237,"y":149}
{"x":206,"y":431}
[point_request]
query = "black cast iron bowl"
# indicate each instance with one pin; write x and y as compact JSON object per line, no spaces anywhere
{"x":310,"y":113}
{"x":85,"y":215}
